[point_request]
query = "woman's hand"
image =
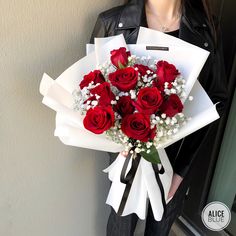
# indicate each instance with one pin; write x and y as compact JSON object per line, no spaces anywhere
{"x":124,"y":153}
{"x":176,"y":181}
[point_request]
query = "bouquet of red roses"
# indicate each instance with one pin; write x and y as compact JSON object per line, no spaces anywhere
{"x":132,"y":102}
{"x":135,"y":101}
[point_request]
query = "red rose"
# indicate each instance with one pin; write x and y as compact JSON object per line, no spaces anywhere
{"x":99,"y":119}
{"x":105,"y":93}
{"x":142,"y":69}
{"x":119,"y":57}
{"x":172,"y":106}
{"x":124,"y":79}
{"x":95,"y":76}
{"x":148,"y":101}
{"x":166,"y":72}
{"x":158,"y":83}
{"x":137,"y":126}
{"x":124,"y":106}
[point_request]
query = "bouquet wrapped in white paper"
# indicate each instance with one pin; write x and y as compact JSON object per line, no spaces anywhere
{"x":146,"y":181}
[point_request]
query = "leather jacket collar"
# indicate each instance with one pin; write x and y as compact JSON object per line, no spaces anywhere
{"x":133,"y":15}
{"x":194,"y":26}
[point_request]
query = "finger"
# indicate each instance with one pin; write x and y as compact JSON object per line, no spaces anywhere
{"x":124,"y":153}
{"x":169,"y":199}
{"x":170,"y":195}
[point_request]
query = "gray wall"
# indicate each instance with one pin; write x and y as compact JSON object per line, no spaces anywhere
{"x":46,"y":188}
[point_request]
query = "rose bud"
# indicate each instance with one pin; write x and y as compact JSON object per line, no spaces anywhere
{"x":166,"y":72}
{"x":105,"y":93}
{"x":142,"y":69}
{"x":124,"y":106}
{"x":95,"y":76}
{"x":119,"y":57}
{"x":148,"y":101}
{"x":124,"y":79}
{"x":138,"y":126}
{"x":172,"y":106}
{"x":99,"y":119}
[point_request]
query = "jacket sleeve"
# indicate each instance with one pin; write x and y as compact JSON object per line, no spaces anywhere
{"x":216,"y":87}
{"x":99,"y":29}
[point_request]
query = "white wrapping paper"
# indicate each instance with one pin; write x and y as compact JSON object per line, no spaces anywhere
{"x":144,"y":187}
{"x":57,"y":93}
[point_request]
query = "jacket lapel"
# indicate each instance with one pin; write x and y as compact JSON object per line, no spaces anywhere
{"x":131,"y":15}
{"x":193,"y":27}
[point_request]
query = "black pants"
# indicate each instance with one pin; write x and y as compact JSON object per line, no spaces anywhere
{"x":125,"y":225}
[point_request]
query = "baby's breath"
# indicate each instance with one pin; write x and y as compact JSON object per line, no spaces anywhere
{"x":166,"y":127}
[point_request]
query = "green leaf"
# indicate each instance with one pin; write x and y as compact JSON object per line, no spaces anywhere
{"x":120,"y":65}
{"x":152,"y":156}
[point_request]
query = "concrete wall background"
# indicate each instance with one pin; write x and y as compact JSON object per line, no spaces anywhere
{"x":46,"y":188}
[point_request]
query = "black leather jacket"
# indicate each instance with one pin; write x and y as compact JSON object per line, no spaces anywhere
{"x":195,"y":29}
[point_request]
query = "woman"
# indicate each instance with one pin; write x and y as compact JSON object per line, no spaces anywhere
{"x":190,"y":20}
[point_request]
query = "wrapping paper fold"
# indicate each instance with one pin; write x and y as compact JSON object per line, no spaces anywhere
{"x":57,"y":93}
{"x":144,"y":187}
